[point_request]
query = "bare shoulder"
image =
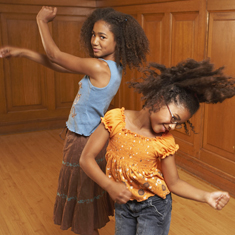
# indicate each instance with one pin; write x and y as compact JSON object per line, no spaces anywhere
{"x":101,"y":74}
{"x":130,"y":113}
{"x":101,"y":65}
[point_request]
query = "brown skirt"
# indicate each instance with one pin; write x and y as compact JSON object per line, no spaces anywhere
{"x":80,"y":203}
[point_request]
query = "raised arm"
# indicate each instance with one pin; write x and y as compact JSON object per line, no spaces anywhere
{"x":96,"y":142}
{"x":8,"y":52}
{"x":179,"y":187}
{"x":89,"y":66}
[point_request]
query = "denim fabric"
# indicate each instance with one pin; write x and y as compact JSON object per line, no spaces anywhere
{"x":149,"y":217}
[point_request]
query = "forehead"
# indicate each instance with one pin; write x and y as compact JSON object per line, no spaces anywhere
{"x":101,"y":26}
{"x":180,"y":110}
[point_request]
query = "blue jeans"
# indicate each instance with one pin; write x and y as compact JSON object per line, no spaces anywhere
{"x":149,"y":217}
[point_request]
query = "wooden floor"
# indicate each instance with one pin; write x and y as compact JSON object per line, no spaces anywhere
{"x":29,"y":168}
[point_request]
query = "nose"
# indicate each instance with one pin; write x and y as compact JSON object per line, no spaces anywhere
{"x":95,"y":40}
{"x":172,"y":126}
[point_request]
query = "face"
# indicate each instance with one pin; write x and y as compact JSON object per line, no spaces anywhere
{"x":102,"y":41}
{"x":161,"y":121}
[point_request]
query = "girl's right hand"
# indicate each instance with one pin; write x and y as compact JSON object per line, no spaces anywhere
{"x":47,"y":14}
{"x":218,"y":200}
{"x":119,"y":192}
{"x":8,"y":52}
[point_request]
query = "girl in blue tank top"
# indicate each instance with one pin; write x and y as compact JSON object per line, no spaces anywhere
{"x":111,"y":38}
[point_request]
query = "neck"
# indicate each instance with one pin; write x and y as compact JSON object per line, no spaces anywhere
{"x":139,"y":122}
{"x":141,"y":119}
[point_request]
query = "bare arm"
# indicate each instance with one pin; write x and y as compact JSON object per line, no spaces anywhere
{"x":92,"y":67}
{"x":8,"y":52}
{"x":96,"y":142}
{"x":181,"y":188}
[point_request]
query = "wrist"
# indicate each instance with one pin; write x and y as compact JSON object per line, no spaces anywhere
{"x":41,"y":21}
{"x":107,"y":185}
{"x":206,"y":197}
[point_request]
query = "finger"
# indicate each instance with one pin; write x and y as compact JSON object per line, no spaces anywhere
{"x":55,"y":10}
{"x":4,"y":52}
{"x":222,"y":202}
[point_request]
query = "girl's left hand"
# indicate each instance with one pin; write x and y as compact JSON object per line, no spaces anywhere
{"x":47,"y":14}
{"x":218,"y":200}
{"x":8,"y":52}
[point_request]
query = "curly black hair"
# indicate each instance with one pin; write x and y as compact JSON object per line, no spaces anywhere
{"x":132,"y":44}
{"x":189,"y":83}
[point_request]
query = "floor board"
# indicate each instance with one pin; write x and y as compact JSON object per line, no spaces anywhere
{"x":29,"y":168}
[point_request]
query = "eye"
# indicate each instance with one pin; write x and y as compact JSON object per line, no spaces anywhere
{"x":102,"y":37}
{"x":174,"y":119}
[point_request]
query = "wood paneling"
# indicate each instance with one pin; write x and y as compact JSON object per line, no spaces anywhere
{"x":184,"y":38}
{"x":126,"y":97}
{"x":113,"y":3}
{"x":178,"y":31}
{"x":25,"y":84}
{"x":219,"y":120}
{"x":67,"y":85}
{"x":154,"y":25}
{"x":34,"y":97}
{"x":218,"y":5}
{"x":216,"y":155}
{"x":80,"y":3}
{"x":184,"y":31}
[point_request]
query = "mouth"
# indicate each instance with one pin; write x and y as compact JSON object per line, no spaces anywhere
{"x":95,"y":50}
{"x":165,"y":128}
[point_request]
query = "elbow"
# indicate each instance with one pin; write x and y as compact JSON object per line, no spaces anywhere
{"x":171,"y":188}
{"x":172,"y":185}
{"x":51,"y":56}
{"x":81,"y":162}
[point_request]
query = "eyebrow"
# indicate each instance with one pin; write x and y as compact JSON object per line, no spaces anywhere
{"x":177,"y":116}
{"x":100,"y":33}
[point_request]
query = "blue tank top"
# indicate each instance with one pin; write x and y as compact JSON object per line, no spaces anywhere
{"x":92,"y":102}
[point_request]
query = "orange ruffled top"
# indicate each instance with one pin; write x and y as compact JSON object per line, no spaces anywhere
{"x":136,"y":160}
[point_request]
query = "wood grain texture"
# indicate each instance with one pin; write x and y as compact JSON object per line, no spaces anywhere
{"x":80,"y":3}
{"x":35,"y":98}
{"x":29,"y":169}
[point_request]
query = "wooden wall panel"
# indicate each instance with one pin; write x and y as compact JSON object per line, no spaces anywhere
{"x":67,"y":84}
{"x":184,"y":37}
{"x":216,"y":157}
{"x":153,"y":25}
{"x":218,"y":5}
{"x":34,"y":97}
{"x":173,"y":32}
{"x":176,"y":29}
{"x":80,"y":3}
{"x":113,"y":3}
{"x":219,"y":129}
{"x":184,"y":31}
{"x":25,"y":84}
{"x":180,"y":31}
{"x":126,"y":97}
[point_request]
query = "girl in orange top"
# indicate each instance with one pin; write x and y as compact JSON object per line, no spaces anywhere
{"x":141,"y":170}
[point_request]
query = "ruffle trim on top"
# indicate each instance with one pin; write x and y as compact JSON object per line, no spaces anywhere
{"x":171,"y":150}
{"x":111,"y":120}
{"x":166,"y":142}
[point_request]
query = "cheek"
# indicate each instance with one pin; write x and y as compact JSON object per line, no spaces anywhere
{"x":154,"y":123}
